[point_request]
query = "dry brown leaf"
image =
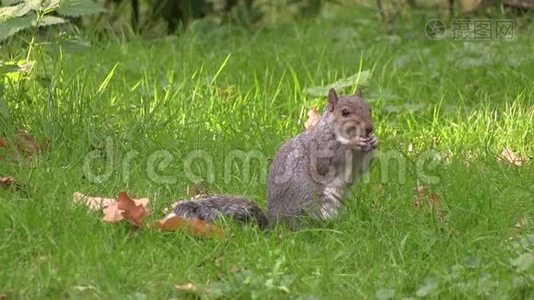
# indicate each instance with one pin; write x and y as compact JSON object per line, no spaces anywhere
{"x":25,"y":144}
{"x":194,"y":226}
{"x":188,"y":287}
{"x":133,"y":211}
{"x":112,"y":213}
{"x":423,"y":197}
{"x":8,"y":181}
{"x":418,"y":196}
{"x":313,"y":118}
{"x":94,"y":203}
{"x":507,"y":155}
{"x":522,"y":225}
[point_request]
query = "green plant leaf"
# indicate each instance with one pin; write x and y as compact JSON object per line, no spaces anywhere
{"x":51,"y":20}
{"x":50,"y":5}
{"x":34,"y":4}
{"x":18,"y":10}
{"x":8,"y":68}
{"x":11,"y":26}
{"x":76,"y":8}
{"x":22,"y":66}
{"x":10,"y":2}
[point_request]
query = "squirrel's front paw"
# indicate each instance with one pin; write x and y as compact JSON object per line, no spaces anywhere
{"x":371,"y":144}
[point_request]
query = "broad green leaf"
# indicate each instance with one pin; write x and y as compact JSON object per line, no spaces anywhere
{"x":322,"y":91}
{"x":21,"y":66}
{"x":76,"y":8}
{"x":42,"y":5}
{"x":50,"y":5}
{"x":34,"y":4}
{"x":51,"y":20}
{"x":10,"y":2}
{"x":18,"y":10}
{"x":8,"y":68}
{"x":11,"y":26}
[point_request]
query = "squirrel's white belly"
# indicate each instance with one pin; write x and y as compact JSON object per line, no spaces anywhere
{"x":333,"y":194}
{"x":335,"y":190}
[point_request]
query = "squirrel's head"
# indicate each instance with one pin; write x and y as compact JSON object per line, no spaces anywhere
{"x":350,"y":118}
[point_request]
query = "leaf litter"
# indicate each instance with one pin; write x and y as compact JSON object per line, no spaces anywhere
{"x":135,"y":211}
{"x":509,"y":156}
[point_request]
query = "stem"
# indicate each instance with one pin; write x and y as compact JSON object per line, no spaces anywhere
{"x":32,"y":41}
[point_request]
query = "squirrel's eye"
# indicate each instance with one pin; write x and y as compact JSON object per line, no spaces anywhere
{"x":345,"y":112}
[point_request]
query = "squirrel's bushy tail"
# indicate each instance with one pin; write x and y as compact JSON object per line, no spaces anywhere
{"x":209,"y":208}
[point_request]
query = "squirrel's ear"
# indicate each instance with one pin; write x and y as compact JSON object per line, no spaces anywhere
{"x":359,"y":93}
{"x":332,"y":99}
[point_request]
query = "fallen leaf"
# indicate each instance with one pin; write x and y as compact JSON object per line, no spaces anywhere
{"x":112,"y":214}
{"x":94,"y":203}
{"x":188,"y":287}
{"x":522,"y":226}
{"x":523,"y":222}
{"x":25,"y":144}
{"x":507,"y":155}
{"x":422,"y":197}
{"x":418,"y":193}
{"x":133,"y":211}
{"x":8,"y":182}
{"x":194,"y":226}
{"x":313,"y":118}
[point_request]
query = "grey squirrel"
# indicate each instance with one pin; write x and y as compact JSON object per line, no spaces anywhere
{"x":309,"y":174}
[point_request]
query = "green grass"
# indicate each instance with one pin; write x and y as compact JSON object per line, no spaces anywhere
{"x":232,"y":89}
